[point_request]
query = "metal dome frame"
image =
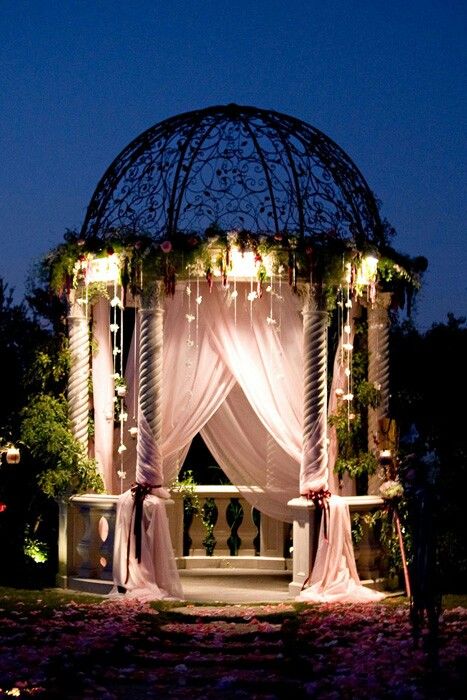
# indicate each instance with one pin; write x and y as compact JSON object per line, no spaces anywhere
{"x":238,"y":168}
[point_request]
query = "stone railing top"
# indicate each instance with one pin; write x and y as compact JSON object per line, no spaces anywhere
{"x":230,"y":491}
{"x":354,"y":502}
{"x":101,"y":499}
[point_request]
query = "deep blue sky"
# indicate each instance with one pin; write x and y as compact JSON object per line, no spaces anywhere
{"x":385,"y":79}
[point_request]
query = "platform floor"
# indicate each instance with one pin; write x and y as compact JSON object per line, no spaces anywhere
{"x":233,"y":587}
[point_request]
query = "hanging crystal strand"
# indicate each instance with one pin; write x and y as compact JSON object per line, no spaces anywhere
{"x":114,"y":329}
{"x":235,"y":295}
{"x":280,"y":299}
{"x":122,"y":415}
{"x":198,"y":300}
{"x":340,"y":321}
{"x":271,"y":307}
{"x":347,"y":345}
{"x":250,"y":297}
{"x":189,"y":316}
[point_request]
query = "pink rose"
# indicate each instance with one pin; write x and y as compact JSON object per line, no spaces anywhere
{"x":166,"y":246}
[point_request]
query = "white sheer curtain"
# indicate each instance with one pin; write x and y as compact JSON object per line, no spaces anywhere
{"x":196,"y":378}
{"x":155,"y":577}
{"x":265,"y":360}
{"x":334,"y":577}
{"x":254,"y":429}
{"x":263,"y":472}
{"x":103,"y":391}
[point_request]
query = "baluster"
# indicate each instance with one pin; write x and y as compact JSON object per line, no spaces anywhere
{"x":247,"y":531}
{"x":106,"y":531}
{"x":84,"y":545}
{"x":222,"y":528}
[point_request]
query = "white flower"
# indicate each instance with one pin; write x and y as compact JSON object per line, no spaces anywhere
{"x":348,"y":397}
{"x":188,"y":290}
{"x":123,"y":417}
{"x":269,"y":288}
{"x":121,"y":474}
{"x":114,"y":327}
{"x":252,"y":296}
{"x":347,"y":328}
{"x":347,"y":346}
{"x":347,"y":372}
{"x":116,"y":351}
{"x":391,"y":489}
{"x":189,"y":317}
{"x":234,"y":294}
{"x":271,"y":321}
{"x":339,"y":392}
{"x":199,"y":299}
{"x":121,"y":449}
{"x":133,"y":431}
{"x":190,"y":343}
{"x":115,"y":302}
{"x":348,"y":304}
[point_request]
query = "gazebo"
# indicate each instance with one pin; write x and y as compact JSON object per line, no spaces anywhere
{"x":213,"y":289}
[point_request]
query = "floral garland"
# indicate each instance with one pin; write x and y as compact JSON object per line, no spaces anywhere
{"x":324,"y":261}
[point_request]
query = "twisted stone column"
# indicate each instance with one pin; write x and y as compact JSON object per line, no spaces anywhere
{"x":313,"y":470}
{"x":78,"y":382}
{"x":149,"y":458}
{"x":378,"y":374}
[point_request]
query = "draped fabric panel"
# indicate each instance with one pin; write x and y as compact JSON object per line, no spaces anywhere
{"x":233,"y":371}
{"x":334,"y":577}
{"x":264,"y":473}
{"x":103,"y":392}
{"x":265,"y":365}
{"x":156,"y":576}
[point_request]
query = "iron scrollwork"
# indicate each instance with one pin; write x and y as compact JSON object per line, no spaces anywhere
{"x":237,"y":167}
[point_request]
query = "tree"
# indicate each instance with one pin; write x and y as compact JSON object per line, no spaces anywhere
{"x":427,"y":374}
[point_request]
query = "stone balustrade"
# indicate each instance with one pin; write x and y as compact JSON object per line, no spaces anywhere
{"x":243,"y":538}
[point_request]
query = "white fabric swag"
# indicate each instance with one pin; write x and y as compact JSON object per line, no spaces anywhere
{"x":232,"y":371}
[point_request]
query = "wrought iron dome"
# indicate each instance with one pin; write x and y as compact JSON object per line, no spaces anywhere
{"x":238,"y":168}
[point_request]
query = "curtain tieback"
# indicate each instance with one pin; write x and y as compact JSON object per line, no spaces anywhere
{"x":139,"y":493}
{"x":320,"y":500}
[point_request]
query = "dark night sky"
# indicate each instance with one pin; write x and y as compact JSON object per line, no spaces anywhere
{"x":386,"y":80}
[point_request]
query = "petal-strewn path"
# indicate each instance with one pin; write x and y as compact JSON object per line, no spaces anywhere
{"x":129,"y":650}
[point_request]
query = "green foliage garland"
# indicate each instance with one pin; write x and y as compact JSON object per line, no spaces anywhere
{"x":143,"y":261}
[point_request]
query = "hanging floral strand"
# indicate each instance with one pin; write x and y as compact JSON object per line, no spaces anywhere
{"x":234,"y":296}
{"x":347,"y":344}
{"x":122,"y":413}
{"x":189,"y":316}
{"x":198,"y":300}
